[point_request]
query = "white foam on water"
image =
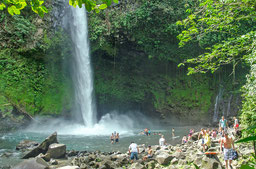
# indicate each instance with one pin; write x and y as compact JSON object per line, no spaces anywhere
{"x":125,"y":124}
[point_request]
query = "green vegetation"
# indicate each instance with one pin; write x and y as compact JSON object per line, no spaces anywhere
{"x":135,"y":54}
{"x":148,"y":25}
{"x":226,"y":29}
{"x":30,"y":62}
{"x":15,"y":6}
{"x":127,"y":37}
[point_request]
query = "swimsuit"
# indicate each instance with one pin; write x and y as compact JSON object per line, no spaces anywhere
{"x":228,"y":154}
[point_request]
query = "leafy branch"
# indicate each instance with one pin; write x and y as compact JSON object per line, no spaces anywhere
{"x":14,"y":7}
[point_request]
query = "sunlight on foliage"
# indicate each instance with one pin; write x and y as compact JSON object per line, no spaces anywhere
{"x":14,"y":7}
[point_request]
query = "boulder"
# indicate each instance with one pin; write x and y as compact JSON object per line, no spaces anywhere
{"x":179,"y":155}
{"x":155,"y":147}
{"x":198,"y":161}
{"x":72,"y":153}
{"x":182,"y":162}
{"x":195,"y":136}
{"x":210,"y":163}
{"x":53,"y":162}
{"x":108,"y":164}
{"x":83,"y":166}
{"x":122,"y":159}
{"x":26,"y":145}
{"x":43,"y":147}
{"x":6,"y":154}
{"x":34,"y":163}
{"x":46,"y":157}
{"x":56,"y":150}
{"x":164,"y":158}
{"x":213,"y":149}
{"x":150,"y":165}
{"x":69,"y":167}
{"x":137,"y":166}
{"x":174,"y":161}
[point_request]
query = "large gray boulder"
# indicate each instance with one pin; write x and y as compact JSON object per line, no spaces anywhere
{"x":34,"y":163}
{"x":164,"y":158}
{"x":69,"y":167}
{"x":210,"y":163}
{"x":26,"y":145}
{"x":179,"y":155}
{"x":137,"y":166}
{"x":56,"y":150}
{"x":195,"y":136}
{"x":43,"y":147}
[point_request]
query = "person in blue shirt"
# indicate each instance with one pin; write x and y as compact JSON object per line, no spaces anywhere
{"x":223,"y":124}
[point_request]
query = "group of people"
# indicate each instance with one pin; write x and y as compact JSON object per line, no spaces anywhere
{"x":185,"y":139}
{"x":114,"y":138}
{"x":146,"y":132}
{"x":226,"y":142}
{"x":206,"y":135}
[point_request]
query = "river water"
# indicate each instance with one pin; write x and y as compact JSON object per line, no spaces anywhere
{"x":102,"y":143}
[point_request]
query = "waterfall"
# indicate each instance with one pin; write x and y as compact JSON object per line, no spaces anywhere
{"x":229,"y":102}
{"x":216,"y":106}
{"x":82,"y":75}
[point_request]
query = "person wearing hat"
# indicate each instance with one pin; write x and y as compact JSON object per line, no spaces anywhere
{"x":150,"y":153}
{"x":228,"y":151}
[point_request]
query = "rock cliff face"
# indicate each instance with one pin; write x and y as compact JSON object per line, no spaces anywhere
{"x":160,"y":88}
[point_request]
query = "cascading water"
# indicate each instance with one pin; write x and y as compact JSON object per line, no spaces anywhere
{"x":82,"y":75}
{"x":216,"y":106}
{"x":229,"y":103}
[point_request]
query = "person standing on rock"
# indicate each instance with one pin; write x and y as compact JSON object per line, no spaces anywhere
{"x":228,"y":151}
{"x":162,"y":141}
{"x":236,"y":125}
{"x":133,"y":151}
{"x":201,"y":133}
{"x":223,"y":124}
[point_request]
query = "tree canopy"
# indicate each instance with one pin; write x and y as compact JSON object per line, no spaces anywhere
{"x":15,"y":6}
{"x":225,"y":29}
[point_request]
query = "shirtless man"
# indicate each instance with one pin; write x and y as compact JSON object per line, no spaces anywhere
{"x":150,"y":153}
{"x":228,"y":152}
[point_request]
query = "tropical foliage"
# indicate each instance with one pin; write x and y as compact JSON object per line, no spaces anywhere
{"x":15,"y":6}
{"x":226,"y":30}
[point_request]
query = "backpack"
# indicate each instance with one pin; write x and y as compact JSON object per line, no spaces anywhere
{"x":235,"y":155}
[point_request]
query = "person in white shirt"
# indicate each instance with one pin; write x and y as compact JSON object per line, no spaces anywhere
{"x":162,"y":141}
{"x":133,"y":150}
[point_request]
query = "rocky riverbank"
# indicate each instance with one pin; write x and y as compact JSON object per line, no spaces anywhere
{"x":52,"y":155}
